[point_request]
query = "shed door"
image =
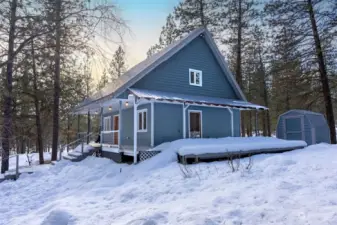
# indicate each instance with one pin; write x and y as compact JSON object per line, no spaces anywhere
{"x":294,"y":128}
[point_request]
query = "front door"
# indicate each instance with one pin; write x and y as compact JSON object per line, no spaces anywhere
{"x":116,"y":129}
{"x":195,"y":124}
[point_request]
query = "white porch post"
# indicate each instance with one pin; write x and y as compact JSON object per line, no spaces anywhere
{"x":184,"y":119}
{"x":135,"y":123}
{"x":257,"y":123}
{"x":152,"y":124}
{"x":232,"y":121}
{"x":101,"y":127}
{"x":120,"y":124}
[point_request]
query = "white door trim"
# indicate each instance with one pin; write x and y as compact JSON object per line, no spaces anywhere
{"x":189,"y":122}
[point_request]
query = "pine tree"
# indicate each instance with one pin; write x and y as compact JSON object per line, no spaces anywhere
{"x":193,"y":14}
{"x":235,"y":19}
{"x":104,"y":80}
{"x":168,"y":35}
{"x":117,"y":64}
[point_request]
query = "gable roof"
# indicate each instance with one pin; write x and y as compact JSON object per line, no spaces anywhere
{"x":143,"y":68}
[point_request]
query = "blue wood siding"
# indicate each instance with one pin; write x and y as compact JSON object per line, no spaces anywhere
{"x":216,"y":122}
{"x":168,"y":125}
{"x":173,"y":75}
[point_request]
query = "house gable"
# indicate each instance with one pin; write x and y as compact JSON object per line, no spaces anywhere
{"x":173,"y":74}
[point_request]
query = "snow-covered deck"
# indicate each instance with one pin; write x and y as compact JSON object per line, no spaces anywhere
{"x":229,"y":146}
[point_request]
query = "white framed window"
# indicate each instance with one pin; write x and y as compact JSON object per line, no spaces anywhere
{"x":142,"y":120}
{"x":107,"y":123}
{"x":195,"y":77}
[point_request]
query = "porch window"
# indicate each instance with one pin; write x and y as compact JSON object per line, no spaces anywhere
{"x":107,"y":123}
{"x":142,"y":120}
{"x":195,"y":77}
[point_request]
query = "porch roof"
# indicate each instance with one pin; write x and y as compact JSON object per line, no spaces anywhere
{"x":194,"y":99}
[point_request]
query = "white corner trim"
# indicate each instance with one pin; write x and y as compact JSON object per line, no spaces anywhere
{"x":232,"y":121}
{"x":189,"y":121}
{"x":200,"y":77}
{"x":184,"y":119}
{"x":152,"y":123}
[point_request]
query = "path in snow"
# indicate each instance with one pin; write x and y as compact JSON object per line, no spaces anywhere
{"x":298,"y":187}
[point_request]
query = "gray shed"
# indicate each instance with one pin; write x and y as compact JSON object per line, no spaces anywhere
{"x":308,"y":126}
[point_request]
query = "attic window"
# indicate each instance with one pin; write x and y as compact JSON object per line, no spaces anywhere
{"x":195,"y":77}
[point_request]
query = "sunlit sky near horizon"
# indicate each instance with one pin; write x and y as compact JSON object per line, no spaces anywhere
{"x":145,"y":19}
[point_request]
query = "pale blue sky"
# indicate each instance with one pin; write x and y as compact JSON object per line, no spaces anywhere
{"x":145,"y":19}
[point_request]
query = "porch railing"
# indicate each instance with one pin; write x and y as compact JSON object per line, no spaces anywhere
{"x":110,"y":137}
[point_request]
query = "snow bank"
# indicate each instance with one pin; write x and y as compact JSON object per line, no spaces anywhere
{"x":297,"y":187}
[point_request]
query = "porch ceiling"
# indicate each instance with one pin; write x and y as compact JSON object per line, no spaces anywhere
{"x":193,"y":99}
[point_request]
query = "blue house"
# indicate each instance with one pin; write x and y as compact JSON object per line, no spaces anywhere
{"x":184,"y":91}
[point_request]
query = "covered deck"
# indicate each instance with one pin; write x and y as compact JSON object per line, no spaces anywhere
{"x":110,"y":137}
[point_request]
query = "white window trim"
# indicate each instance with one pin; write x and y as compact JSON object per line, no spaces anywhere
{"x":200,"y":78}
{"x":142,"y":112}
{"x":104,"y":123}
{"x":189,"y":122}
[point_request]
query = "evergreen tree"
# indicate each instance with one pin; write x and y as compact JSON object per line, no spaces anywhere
{"x":236,"y":19}
{"x":168,"y":35}
{"x":117,"y":64}
{"x":193,"y":14}
{"x":104,"y":80}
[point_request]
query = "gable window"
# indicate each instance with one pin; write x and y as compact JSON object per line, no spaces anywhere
{"x":195,"y":77}
{"x":142,"y":120}
{"x":107,"y":123}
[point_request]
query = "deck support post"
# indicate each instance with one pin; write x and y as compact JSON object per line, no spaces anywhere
{"x":135,"y":123}
{"x":256,"y":123}
{"x":89,"y":127}
{"x":120,"y":124}
{"x":152,"y":124}
{"x":232,"y":121}
{"x":184,"y":119}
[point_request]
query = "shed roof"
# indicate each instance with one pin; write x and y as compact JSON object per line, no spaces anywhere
{"x":129,"y":78}
{"x":301,"y":111}
{"x":194,"y":99}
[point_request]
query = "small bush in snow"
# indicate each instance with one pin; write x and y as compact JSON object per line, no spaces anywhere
{"x":234,"y":163}
{"x":29,"y":158}
{"x":185,"y":171}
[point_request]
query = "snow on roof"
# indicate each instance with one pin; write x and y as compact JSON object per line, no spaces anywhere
{"x":167,"y":96}
{"x":141,"y":69}
{"x":301,"y":111}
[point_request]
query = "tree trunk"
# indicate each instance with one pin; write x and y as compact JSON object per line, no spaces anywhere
{"x":238,"y":60}
{"x":56,"y":81}
{"x":266,"y":118}
{"x":39,"y":143}
{"x":7,"y":113}
{"x":202,"y":16}
{"x":323,"y":74}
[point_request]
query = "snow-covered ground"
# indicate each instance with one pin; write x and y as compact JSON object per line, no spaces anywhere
{"x":298,"y":187}
{"x":24,"y":164}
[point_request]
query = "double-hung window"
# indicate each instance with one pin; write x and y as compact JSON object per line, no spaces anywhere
{"x":195,"y":77}
{"x":142,"y":120}
{"x":107,"y":123}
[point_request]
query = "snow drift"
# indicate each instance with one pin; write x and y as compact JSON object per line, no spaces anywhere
{"x":297,"y":187}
